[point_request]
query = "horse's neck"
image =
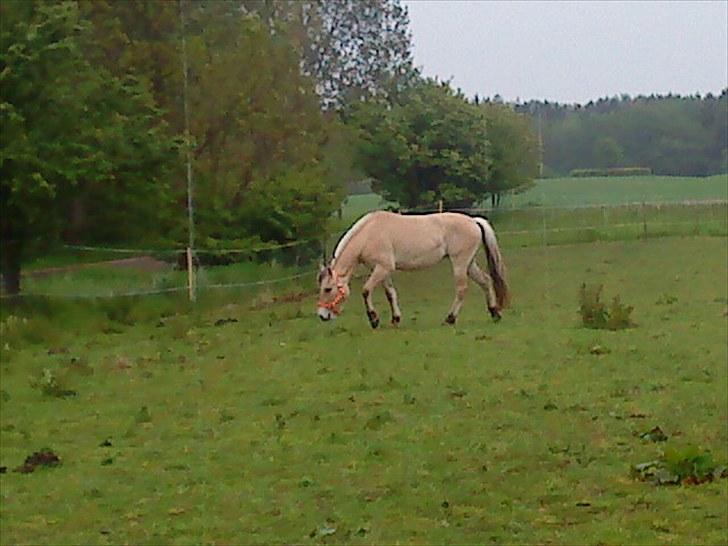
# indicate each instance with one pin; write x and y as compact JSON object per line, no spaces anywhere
{"x":345,"y":263}
{"x":347,"y":252}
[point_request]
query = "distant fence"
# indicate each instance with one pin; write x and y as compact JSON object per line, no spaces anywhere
{"x":98,"y":272}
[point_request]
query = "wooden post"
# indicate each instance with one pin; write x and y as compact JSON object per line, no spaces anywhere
{"x":439,"y":205}
{"x":190,"y":276}
{"x":644,"y":221}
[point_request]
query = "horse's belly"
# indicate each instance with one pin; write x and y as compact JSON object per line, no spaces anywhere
{"x":419,"y":256}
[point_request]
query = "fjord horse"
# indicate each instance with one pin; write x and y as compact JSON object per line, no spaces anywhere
{"x":387,"y":241}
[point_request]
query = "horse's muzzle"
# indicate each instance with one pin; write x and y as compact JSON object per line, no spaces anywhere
{"x":325,"y":314}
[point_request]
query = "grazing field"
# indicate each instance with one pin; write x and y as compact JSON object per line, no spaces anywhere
{"x":575,"y":192}
{"x":225,"y":425}
{"x":586,"y":192}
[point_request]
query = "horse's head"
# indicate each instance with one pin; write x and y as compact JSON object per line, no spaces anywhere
{"x":333,"y":291}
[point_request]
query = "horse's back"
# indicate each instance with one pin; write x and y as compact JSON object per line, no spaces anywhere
{"x":414,"y":241}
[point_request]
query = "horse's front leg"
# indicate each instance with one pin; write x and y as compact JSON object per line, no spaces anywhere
{"x":377,"y":277}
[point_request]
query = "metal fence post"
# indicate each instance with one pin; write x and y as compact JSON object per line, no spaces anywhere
{"x":190,"y":277}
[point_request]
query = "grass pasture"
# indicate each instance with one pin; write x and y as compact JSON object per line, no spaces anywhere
{"x":609,"y":191}
{"x":571,"y":193}
{"x":280,"y":429}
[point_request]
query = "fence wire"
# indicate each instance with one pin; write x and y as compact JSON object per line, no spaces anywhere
{"x":90,"y":272}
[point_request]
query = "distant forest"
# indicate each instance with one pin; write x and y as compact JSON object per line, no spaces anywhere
{"x":669,"y":134}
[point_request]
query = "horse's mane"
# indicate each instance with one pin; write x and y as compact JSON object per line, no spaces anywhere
{"x":346,"y":237}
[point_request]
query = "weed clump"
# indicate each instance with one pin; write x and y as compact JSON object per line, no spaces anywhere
{"x":687,"y":466}
{"x":596,"y":314}
{"x":49,"y":385}
{"x":43,"y":458}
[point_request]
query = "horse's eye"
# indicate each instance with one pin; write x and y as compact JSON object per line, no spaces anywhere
{"x":327,"y":289}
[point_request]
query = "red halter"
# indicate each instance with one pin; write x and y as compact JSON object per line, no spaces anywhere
{"x":340,"y":297}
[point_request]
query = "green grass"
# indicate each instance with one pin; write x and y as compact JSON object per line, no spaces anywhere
{"x":580,"y":192}
{"x":277,"y":427}
{"x":574,"y":192}
{"x":103,"y":280}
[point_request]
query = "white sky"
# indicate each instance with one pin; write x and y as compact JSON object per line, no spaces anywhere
{"x":572,"y":51}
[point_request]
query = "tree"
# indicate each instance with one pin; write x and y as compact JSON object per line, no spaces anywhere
{"x":513,"y":151}
{"x":608,"y":153}
{"x":260,"y":137}
{"x":69,"y":129}
{"x":430,"y":144}
{"x":353,"y":49}
{"x":255,"y":119}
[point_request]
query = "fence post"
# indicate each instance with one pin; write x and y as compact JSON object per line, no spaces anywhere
{"x":644,"y":221}
{"x":190,"y":276}
{"x":439,"y":205}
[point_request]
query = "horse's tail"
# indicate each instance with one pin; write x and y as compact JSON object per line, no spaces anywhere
{"x":496,"y":265}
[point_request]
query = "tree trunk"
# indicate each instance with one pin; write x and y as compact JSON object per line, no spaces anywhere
{"x":10,"y":262}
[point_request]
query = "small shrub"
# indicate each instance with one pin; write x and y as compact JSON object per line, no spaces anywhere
{"x":17,"y":331}
{"x":595,"y":313}
{"x":619,"y":315}
{"x":691,"y":465}
{"x":40,"y":459}
{"x":616,"y":171}
{"x":666,"y":299}
{"x":119,"y":310}
{"x":687,"y":466}
{"x":49,"y":385}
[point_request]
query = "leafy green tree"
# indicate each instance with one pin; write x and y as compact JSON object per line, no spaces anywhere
{"x":258,"y":132}
{"x":353,"y":49}
{"x":431,"y":144}
{"x":70,"y":129}
{"x":513,"y":151}
{"x":255,"y":119}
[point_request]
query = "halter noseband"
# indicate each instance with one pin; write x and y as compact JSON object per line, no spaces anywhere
{"x":340,"y":296}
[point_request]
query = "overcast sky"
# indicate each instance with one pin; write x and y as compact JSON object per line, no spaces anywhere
{"x":572,"y":51}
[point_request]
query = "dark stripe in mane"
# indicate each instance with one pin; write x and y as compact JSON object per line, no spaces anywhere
{"x":461,"y":212}
{"x":333,"y":251}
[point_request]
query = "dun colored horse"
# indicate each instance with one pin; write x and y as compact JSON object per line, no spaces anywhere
{"x":387,"y":241}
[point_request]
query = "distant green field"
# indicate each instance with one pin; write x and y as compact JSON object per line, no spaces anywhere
{"x":574,"y":192}
{"x":223,"y":425}
{"x":579,"y":192}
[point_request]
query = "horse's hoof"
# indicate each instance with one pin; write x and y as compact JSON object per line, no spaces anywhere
{"x":396,"y":320}
{"x":450,"y":319}
{"x":373,"y":318}
{"x":495,"y":314}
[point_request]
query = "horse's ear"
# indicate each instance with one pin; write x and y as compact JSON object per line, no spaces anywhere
{"x":330,"y":273}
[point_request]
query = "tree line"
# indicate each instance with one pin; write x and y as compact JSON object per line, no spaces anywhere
{"x":668,"y":134}
{"x":286,"y":103}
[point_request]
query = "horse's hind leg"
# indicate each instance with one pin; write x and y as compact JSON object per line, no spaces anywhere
{"x":486,"y":283}
{"x":378,"y":276}
{"x":393,"y":300}
{"x":461,"y":288}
